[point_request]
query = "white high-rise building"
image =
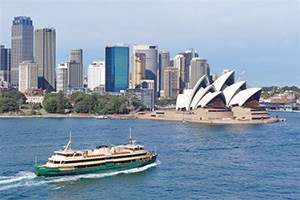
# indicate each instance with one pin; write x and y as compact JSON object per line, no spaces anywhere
{"x":198,"y":68}
{"x":179,"y":63}
{"x":28,"y":76}
{"x":96,"y":74}
{"x":62,"y":78}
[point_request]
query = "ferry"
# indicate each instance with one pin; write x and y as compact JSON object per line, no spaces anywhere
{"x":100,"y":160}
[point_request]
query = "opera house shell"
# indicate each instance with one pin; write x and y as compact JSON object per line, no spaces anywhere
{"x":222,"y":93}
{"x":222,"y":102}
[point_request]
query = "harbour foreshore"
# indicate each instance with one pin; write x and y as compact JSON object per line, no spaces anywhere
{"x":219,"y":121}
{"x":63,"y":116}
{"x":205,"y":116}
{"x":147,"y":116}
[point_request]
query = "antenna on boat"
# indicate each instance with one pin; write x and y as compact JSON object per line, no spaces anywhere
{"x":35,"y":160}
{"x":131,"y":141}
{"x":130,"y":135}
{"x":69,"y":145}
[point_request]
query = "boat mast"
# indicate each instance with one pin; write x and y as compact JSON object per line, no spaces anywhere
{"x":69,"y":144}
{"x":131,"y":141}
{"x":130,"y":135}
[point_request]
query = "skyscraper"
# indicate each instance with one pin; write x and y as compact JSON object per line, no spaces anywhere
{"x":138,"y":69}
{"x":147,"y":93}
{"x":163,"y":63}
{"x":198,"y":68}
{"x":76,"y":54}
{"x":62,"y":78}
{"x":171,"y":83}
{"x":75,"y":74}
{"x":69,"y":76}
{"x":45,"y":55}
{"x":28,"y":76}
{"x":96,"y":74}
{"x":188,"y":55}
{"x":151,"y":62}
{"x":21,"y":45}
{"x":116,"y":68}
{"x":5,"y":55}
{"x":179,"y":63}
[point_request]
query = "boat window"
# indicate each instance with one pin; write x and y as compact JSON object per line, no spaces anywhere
{"x":56,"y":162}
{"x":101,"y":146}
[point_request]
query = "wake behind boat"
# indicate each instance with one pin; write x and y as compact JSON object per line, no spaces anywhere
{"x":100,"y":160}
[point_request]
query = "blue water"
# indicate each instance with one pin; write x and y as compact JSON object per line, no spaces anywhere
{"x":194,"y":161}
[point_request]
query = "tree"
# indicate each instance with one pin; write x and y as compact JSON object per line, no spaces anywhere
{"x":61,"y":103}
{"x":10,"y":101}
{"x":7,"y":105}
{"x":55,"y":103}
{"x":50,"y":105}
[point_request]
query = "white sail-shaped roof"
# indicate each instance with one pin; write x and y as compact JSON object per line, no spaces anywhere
{"x":204,"y":81}
{"x":208,"y":98}
{"x":219,"y":83}
{"x":199,"y":95}
{"x":182,"y":101}
{"x":241,"y":97}
{"x":223,"y":92}
{"x":232,"y":90}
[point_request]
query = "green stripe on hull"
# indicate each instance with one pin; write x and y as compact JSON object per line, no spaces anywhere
{"x":108,"y":167}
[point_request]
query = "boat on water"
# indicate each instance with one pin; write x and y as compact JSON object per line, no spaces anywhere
{"x":100,"y":160}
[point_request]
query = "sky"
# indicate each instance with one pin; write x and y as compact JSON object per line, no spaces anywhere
{"x":260,"y":40}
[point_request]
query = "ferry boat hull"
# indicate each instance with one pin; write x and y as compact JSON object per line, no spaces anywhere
{"x":42,"y":170}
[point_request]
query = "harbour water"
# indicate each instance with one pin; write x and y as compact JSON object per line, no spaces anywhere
{"x":194,"y":161}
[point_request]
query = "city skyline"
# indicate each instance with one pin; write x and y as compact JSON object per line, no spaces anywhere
{"x":235,"y":35}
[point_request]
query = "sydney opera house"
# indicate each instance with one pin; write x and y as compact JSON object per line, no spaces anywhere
{"x":222,"y":102}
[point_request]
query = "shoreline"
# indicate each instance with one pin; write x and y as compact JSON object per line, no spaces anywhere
{"x":220,"y":122}
{"x":205,"y":122}
{"x":67,"y":116}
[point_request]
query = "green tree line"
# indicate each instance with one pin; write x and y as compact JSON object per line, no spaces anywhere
{"x":11,"y":101}
{"x":79,"y":102}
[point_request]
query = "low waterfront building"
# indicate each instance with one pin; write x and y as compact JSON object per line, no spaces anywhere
{"x":35,"y":99}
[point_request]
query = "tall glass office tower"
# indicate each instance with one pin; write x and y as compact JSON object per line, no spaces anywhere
{"x":21,"y":45}
{"x":116,"y":68}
